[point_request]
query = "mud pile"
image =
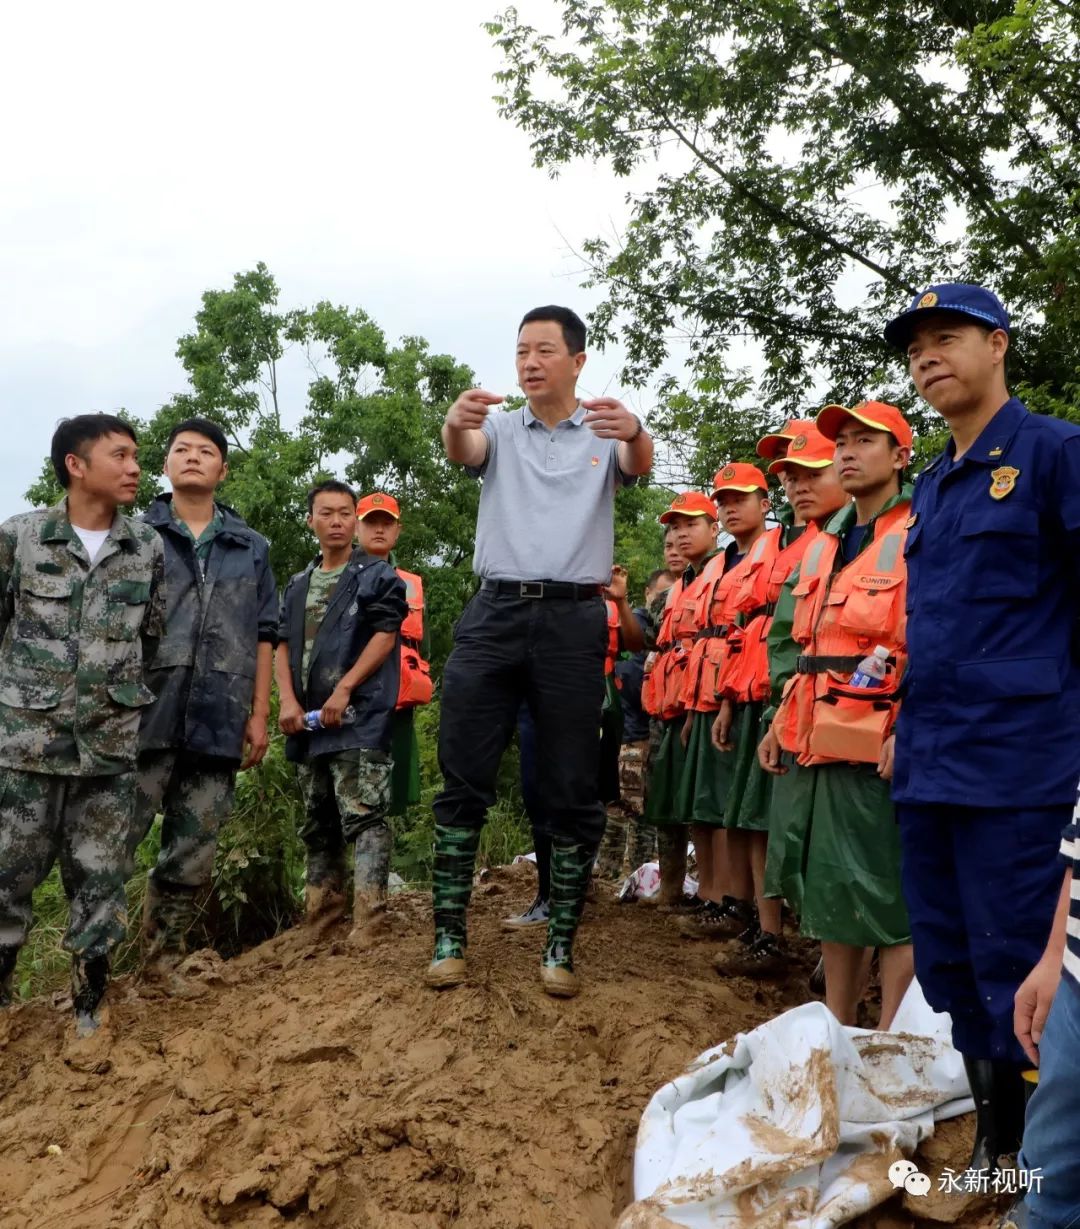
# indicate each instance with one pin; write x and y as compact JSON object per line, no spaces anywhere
{"x":308,"y":1084}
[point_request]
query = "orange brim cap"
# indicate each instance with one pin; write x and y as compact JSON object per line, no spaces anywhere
{"x":810,"y":449}
{"x":379,"y":502}
{"x":690,"y":503}
{"x":769,"y":445}
{"x":877,"y":414}
{"x":739,"y":476}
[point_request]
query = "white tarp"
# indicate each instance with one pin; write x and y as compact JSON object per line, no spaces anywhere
{"x":796,"y":1124}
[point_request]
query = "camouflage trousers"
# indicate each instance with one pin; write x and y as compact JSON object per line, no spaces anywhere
{"x":627,"y":843}
{"x":194,"y":795}
{"x":347,"y":798}
{"x":83,"y":821}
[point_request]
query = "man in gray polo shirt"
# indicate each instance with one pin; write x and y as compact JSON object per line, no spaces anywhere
{"x":537,"y":629}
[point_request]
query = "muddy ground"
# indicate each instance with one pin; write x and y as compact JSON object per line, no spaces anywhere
{"x":304,"y":1083}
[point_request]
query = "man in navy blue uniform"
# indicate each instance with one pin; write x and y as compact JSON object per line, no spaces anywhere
{"x":987,"y":753}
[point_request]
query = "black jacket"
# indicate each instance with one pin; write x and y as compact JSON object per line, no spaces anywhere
{"x":204,"y":671}
{"x":368,"y":598}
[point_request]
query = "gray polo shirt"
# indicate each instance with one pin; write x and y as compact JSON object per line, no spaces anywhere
{"x":547,"y":500}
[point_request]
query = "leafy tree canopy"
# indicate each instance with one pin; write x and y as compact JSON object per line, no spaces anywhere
{"x":809,"y":166}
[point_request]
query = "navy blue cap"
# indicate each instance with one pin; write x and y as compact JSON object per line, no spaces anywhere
{"x":973,"y":301}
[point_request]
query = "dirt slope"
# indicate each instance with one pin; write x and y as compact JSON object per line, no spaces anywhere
{"x":305,"y":1083}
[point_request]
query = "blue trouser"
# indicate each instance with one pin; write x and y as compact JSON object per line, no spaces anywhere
{"x":1053,"y":1118}
{"x":981,"y":887}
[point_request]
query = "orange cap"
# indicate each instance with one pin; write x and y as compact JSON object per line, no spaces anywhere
{"x":378,"y":503}
{"x":739,"y":476}
{"x":690,"y":503}
{"x":876,"y":414}
{"x":810,"y":449}
{"x":769,"y":445}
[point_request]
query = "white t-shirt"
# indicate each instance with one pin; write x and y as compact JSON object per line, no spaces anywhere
{"x":92,"y":539}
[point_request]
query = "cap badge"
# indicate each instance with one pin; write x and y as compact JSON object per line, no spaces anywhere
{"x":679,"y":499}
{"x":727,"y":473}
{"x":1003,"y":481}
{"x":928,"y":300}
{"x":798,"y":443}
{"x":376,"y":501}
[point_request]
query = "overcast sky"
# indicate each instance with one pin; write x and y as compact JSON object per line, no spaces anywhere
{"x":152,"y":151}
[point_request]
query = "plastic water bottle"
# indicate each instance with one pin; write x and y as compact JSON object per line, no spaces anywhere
{"x":872,"y":670}
{"x":313,"y":720}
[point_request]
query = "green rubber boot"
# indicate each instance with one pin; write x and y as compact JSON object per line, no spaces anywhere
{"x":571,"y":870}
{"x":451,"y":888}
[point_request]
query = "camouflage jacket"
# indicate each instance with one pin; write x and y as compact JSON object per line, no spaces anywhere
{"x":204,"y":670}
{"x":74,"y":640}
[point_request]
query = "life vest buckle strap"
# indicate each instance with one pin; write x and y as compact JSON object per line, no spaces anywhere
{"x":812,"y":664}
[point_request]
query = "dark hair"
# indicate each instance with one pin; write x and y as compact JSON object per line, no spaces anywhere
{"x":74,"y":434}
{"x":659,"y":574}
{"x":669,"y":528}
{"x":201,"y":426}
{"x":330,"y":485}
{"x":573,"y":327}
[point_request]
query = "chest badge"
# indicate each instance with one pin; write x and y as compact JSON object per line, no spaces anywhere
{"x":594,"y":462}
{"x":1003,"y":481}
{"x":910,"y":522}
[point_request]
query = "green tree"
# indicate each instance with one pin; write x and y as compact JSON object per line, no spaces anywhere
{"x":809,"y":166}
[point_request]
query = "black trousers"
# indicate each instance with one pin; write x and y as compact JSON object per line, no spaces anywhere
{"x":549,"y":653}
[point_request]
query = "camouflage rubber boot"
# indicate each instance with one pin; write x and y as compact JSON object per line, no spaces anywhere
{"x":372,"y":871}
{"x":671,"y":841}
{"x":609,"y":859}
{"x":168,"y":917}
{"x":89,"y":982}
{"x":571,"y":868}
{"x":642,"y":842}
{"x":8,"y":956}
{"x":451,"y":888}
{"x":324,"y":889}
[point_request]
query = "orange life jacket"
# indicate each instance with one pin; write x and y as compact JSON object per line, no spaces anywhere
{"x":415,"y":686}
{"x":662,"y":691}
{"x":840,"y":616}
{"x":745,"y":676}
{"x":613,"y":642}
{"x":715,"y":616}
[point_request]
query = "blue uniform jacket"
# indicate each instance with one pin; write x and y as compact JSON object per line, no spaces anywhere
{"x":991,"y":714}
{"x":204,"y":671}
{"x":369,"y":598}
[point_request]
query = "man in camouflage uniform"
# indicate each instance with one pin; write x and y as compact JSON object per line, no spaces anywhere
{"x":628,"y":843}
{"x":82,"y":606}
{"x":338,"y":653}
{"x":211,"y":677}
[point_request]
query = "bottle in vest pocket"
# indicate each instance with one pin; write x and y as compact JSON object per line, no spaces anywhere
{"x":313,"y":720}
{"x":872,"y":670}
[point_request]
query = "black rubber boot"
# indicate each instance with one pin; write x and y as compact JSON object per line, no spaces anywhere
{"x":8,"y":956}
{"x":89,"y":981}
{"x":1000,"y":1100}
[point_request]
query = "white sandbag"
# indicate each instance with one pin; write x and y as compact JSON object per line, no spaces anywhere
{"x":795,"y":1124}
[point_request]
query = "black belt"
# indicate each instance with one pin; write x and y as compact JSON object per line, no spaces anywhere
{"x":541,"y":589}
{"x":819,"y":665}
